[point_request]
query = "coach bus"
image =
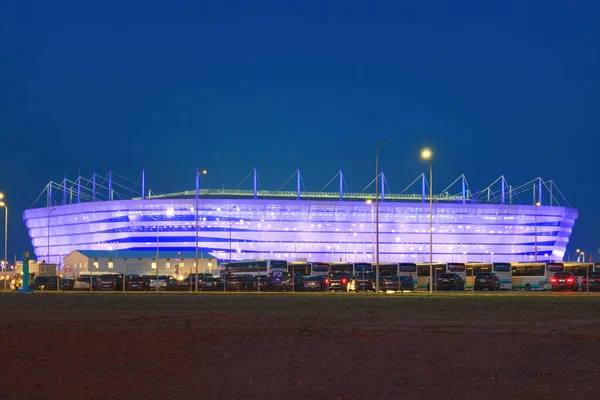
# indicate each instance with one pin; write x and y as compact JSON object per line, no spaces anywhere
{"x":473,"y":268}
{"x":409,"y":269}
{"x":307,"y":269}
{"x":256,"y":267}
{"x":531,"y":275}
{"x":423,"y":273}
{"x":504,"y":273}
{"x":581,"y":270}
{"x":337,"y":267}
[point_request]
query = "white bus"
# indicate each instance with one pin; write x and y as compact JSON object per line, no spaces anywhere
{"x":308,"y":268}
{"x":337,"y":267}
{"x":581,"y":270}
{"x":531,"y":275}
{"x":256,"y":267}
{"x":504,"y":273}
{"x":409,"y":269}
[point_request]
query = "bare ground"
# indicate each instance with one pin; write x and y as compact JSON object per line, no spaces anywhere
{"x":155,"y":346}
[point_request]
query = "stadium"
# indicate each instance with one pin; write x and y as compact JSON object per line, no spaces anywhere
{"x":103,"y":213}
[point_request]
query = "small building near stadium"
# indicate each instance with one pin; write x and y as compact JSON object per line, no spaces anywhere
{"x":138,"y":263}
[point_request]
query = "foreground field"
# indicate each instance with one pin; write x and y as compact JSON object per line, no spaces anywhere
{"x":298,"y":346}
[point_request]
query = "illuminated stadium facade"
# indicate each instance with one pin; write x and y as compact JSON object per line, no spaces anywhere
{"x":325,"y":226}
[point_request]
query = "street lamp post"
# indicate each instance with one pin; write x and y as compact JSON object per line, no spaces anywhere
{"x":3,"y":204}
{"x":346,"y":246}
{"x":426,"y":155}
{"x":377,"y":216}
{"x":295,"y":242}
{"x":198,"y":173}
{"x":587,"y":269}
{"x":536,"y":216}
{"x":48,"y":235}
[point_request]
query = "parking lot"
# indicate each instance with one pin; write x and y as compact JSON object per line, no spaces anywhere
{"x":299,"y":346}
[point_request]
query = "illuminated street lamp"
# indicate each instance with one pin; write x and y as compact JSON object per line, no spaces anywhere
{"x":3,"y":204}
{"x":198,"y":173}
{"x":426,"y":155}
{"x":377,"y":215}
{"x":295,"y":242}
{"x":346,"y":246}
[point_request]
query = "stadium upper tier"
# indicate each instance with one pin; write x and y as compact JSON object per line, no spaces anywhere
{"x":250,"y":224}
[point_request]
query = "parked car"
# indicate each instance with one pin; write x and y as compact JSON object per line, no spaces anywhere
{"x":282,"y":283}
{"x":111,"y":282}
{"x":244,"y":282}
{"x":317,"y":283}
{"x":190,"y":282}
{"x":396,"y":283}
{"x":210,"y":284}
{"x":593,"y":280}
{"x":447,"y":281}
{"x":342,"y":281}
{"x":486,"y":280}
{"x":83,"y":283}
{"x":365,"y":281}
{"x":565,"y":280}
{"x":137,"y":283}
{"x":44,"y":283}
{"x":67,"y":284}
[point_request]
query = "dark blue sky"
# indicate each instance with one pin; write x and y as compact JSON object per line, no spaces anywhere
{"x":494,"y":88}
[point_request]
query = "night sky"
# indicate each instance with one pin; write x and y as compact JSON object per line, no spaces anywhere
{"x":492,"y":87}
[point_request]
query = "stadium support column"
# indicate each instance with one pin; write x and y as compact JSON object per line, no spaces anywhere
{"x":503,"y":182}
{"x":49,"y":195}
{"x":423,"y":188}
{"x":298,"y":190}
{"x":382,"y":187}
{"x":64,"y":201}
{"x":143,"y":182}
{"x":255,"y":190}
{"x":110,"y":192}
{"x":79,"y":188}
{"x":539,"y":190}
{"x":94,"y":185}
{"x":464,"y":199}
{"x":341,"y":185}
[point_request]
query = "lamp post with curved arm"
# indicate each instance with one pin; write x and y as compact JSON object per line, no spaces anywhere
{"x":3,"y":204}
{"x":295,"y":242}
{"x":377,"y":216}
{"x":426,"y":155}
{"x":198,"y":173}
{"x":346,"y":246}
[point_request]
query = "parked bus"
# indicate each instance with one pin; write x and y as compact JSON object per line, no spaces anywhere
{"x":256,"y":267}
{"x":472,"y":269}
{"x":530,"y":276}
{"x":597,"y":267}
{"x":409,"y":269}
{"x":504,"y":273}
{"x":423,"y":273}
{"x":336,"y":267}
{"x":581,"y":270}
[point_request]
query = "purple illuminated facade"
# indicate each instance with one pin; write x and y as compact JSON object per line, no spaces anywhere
{"x":317,"y":230}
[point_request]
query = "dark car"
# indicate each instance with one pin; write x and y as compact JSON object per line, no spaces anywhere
{"x":44,"y":283}
{"x":447,"y":281}
{"x":137,"y":283}
{"x":342,"y":281}
{"x":564,"y":281}
{"x":189,"y":283}
{"x":486,"y":280}
{"x":593,"y":280}
{"x":67,"y":284}
{"x":396,"y":283}
{"x":209,"y":284}
{"x":111,"y":282}
{"x":318,"y":283}
{"x":278,"y":281}
{"x":364,"y":281}
{"x":241,"y":282}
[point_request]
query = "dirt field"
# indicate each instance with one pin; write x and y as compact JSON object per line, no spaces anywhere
{"x":179,"y":346}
